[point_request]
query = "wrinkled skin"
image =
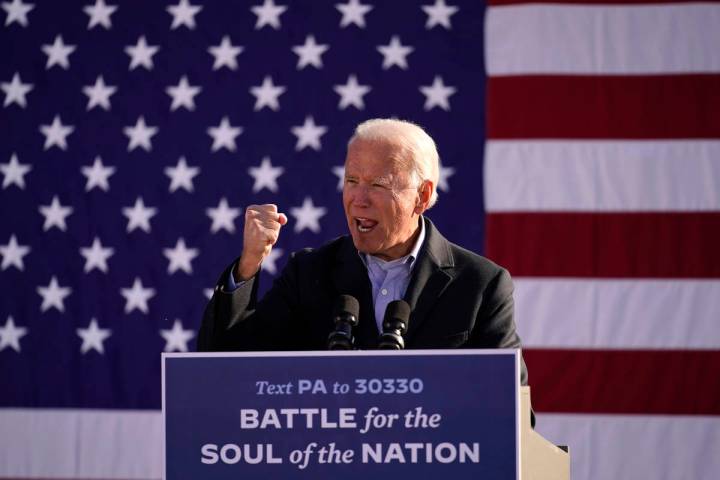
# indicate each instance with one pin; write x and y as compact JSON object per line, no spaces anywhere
{"x":382,"y":206}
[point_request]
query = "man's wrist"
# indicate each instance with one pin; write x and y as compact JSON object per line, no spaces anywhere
{"x":245,"y":270}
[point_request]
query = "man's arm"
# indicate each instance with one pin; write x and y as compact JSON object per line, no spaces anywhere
{"x":226,"y":324}
{"x":495,"y":326}
{"x":222,"y":325}
{"x":237,"y":320}
{"x":497,"y":314}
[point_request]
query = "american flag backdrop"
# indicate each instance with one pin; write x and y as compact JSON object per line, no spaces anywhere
{"x":579,"y":149}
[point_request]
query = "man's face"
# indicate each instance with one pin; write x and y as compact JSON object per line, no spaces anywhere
{"x":382,"y":206}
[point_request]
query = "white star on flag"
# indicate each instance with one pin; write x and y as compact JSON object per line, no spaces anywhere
{"x":181,"y":175}
{"x":265,"y":176}
{"x":310,"y":53}
{"x":139,"y":216}
{"x":58,"y":53}
{"x":268,"y":263}
{"x":140,"y":135}
{"x":10,"y":335}
{"x":267,"y":94}
{"x":93,"y":337}
{"x":395,"y":53}
{"x":141,"y":54}
{"x":177,"y":338}
{"x":208,"y":292}
{"x":183,"y":95}
{"x":183,"y":14}
{"x":55,"y":214}
{"x":308,"y":134}
{"x":353,"y":12}
{"x":180,"y":257}
{"x":99,"y":14}
{"x":13,"y":253}
{"x":351,"y":93}
{"x":268,"y":14}
{"x":444,"y":174}
{"x":223,"y":217}
{"x":96,"y":256}
{"x":15,"y":91}
{"x":97,"y":175}
{"x":307,"y":216}
{"x":56,"y":134}
{"x":437,"y":94}
{"x":14,"y":172}
{"x":53,"y":295}
{"x":439,"y":14}
{"x":339,"y":172}
{"x":136,"y":297}
{"x":225,"y":54}
{"x":99,"y":94}
{"x":17,"y":12}
{"x":224,"y":135}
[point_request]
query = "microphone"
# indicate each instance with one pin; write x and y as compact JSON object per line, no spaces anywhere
{"x":394,"y":326}
{"x":345,"y":315}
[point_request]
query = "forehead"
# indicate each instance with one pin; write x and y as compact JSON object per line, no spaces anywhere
{"x":376,"y":158}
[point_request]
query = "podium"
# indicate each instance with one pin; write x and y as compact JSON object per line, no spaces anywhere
{"x":541,"y":460}
{"x":356,"y":415}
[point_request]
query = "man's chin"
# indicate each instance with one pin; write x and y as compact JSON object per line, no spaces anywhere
{"x":361,"y":245}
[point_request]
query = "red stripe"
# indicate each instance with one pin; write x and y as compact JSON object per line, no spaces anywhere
{"x":618,"y":382}
{"x":638,"y":245}
{"x":662,"y":106}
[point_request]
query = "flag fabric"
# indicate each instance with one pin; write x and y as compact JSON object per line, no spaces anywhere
{"x":602,"y":176}
{"x":135,"y":133}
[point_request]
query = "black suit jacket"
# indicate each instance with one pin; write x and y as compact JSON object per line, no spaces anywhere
{"x":458,"y":300}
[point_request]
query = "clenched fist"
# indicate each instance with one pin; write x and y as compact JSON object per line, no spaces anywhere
{"x":262,"y":229}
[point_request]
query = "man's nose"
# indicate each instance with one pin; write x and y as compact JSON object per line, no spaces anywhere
{"x":361,"y":195}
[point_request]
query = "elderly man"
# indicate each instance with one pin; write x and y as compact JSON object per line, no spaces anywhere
{"x":457,"y":298}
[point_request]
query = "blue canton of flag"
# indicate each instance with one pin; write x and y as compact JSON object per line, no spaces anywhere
{"x":135,"y":133}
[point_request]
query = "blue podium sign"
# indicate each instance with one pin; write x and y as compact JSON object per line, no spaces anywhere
{"x":351,"y":415}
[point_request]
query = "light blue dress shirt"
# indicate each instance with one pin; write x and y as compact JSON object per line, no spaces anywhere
{"x":390,"y":279}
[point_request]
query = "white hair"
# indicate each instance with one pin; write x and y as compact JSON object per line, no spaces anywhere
{"x":424,"y":161}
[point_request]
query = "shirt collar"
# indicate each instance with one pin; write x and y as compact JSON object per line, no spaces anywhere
{"x":409,"y":258}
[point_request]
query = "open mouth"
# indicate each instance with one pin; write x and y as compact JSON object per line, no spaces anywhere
{"x":364,"y":225}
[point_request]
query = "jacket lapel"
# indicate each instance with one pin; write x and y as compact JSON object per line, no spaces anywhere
{"x":431,"y":275}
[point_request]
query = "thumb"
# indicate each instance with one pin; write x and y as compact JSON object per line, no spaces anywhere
{"x":282,"y":218}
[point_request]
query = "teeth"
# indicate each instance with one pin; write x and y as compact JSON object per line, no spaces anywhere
{"x":359,"y":221}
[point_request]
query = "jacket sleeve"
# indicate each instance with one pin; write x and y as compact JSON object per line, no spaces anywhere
{"x":238,"y":321}
{"x":497,"y":314}
{"x":495,"y":318}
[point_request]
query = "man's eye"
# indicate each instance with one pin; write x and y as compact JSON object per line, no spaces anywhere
{"x":351,"y":181}
{"x":379,"y":186}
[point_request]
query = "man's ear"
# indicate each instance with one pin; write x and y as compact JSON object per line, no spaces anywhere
{"x":424,"y":195}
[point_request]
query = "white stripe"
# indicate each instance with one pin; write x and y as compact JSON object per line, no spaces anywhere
{"x":626,"y":447}
{"x":119,"y":444}
{"x":549,"y":175}
{"x":592,"y":313}
{"x":603,"y":39}
{"x":103,"y":444}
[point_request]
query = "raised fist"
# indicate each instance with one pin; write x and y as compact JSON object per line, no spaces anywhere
{"x":262,"y":229}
